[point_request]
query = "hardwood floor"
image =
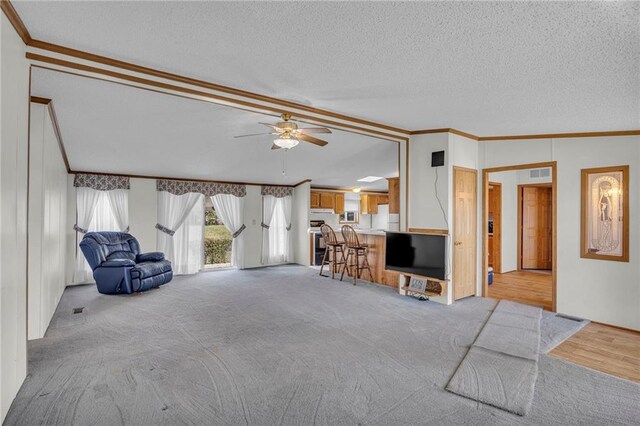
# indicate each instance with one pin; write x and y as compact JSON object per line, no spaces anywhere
{"x":533,"y":288}
{"x":603,"y":348}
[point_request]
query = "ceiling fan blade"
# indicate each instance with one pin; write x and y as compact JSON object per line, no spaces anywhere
{"x":311,"y":139}
{"x":254,"y":134}
{"x":274,"y":146}
{"x":277,"y":129}
{"x":314,"y":130}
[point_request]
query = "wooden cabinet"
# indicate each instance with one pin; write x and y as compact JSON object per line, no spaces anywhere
{"x":339,"y":203}
{"x":327,"y":200}
{"x":382,"y":199}
{"x":315,"y":200}
{"x":394,"y":195}
{"x":368,"y":204}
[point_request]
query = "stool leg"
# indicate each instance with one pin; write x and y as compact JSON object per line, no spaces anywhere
{"x":344,"y":267}
{"x":366,"y":264}
{"x":356,"y":265}
{"x":323,"y":260}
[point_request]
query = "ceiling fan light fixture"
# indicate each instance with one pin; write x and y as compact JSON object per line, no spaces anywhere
{"x":286,"y":143}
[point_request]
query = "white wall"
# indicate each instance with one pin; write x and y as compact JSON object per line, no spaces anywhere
{"x":424,"y":211}
{"x":47,"y":221}
{"x":509,"y":248}
{"x":299,"y":227}
{"x":143,"y":212}
{"x":14,"y":112}
{"x":603,"y":291}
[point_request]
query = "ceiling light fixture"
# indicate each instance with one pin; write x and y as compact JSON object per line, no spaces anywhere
{"x":356,"y":189}
{"x":286,"y":143}
{"x":369,"y":179}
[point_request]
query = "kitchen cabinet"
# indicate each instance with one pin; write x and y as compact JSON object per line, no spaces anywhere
{"x":394,"y":195}
{"x":339,"y":203}
{"x":368,"y":204}
{"x":382,"y":199}
{"x":315,"y":200}
{"x":327,"y":200}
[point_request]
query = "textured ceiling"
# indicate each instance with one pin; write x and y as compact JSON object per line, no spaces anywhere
{"x":109,"y":127}
{"x":485,"y":68}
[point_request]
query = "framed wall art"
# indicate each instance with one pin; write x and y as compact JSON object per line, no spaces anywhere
{"x":605,"y":214}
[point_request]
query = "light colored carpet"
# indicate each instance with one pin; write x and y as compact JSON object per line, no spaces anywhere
{"x":501,"y":367}
{"x":556,"y":329}
{"x":281,"y":346}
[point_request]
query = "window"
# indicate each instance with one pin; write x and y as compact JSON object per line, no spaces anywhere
{"x":217,"y":239}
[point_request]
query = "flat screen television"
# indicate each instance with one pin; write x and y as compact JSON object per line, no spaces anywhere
{"x":417,"y":254}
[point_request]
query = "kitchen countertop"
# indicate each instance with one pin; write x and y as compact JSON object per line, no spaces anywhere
{"x":358,"y":230}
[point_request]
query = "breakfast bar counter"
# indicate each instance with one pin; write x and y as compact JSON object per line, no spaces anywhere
{"x":375,"y":240}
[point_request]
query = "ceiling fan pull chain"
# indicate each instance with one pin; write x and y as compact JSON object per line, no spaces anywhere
{"x":284,"y":162}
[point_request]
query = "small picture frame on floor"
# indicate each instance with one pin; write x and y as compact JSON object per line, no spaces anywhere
{"x":416,"y":284}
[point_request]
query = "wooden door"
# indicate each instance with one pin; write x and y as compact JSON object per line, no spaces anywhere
{"x":536,"y":227}
{"x":315,"y":200}
{"x":465,"y":225}
{"x":339,"y":209}
{"x":495,"y":240}
{"x":327,"y":200}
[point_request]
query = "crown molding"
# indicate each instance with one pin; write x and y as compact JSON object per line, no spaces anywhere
{"x":533,"y":136}
{"x":11,"y":14}
{"x":56,"y":127}
{"x":562,"y":135}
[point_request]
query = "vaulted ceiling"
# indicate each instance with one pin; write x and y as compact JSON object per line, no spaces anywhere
{"x":483,"y":67}
{"x":488,"y":68}
{"x":114,"y":128}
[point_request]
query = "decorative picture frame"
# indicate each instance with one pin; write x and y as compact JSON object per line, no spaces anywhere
{"x":416,"y":284}
{"x":605,"y":213}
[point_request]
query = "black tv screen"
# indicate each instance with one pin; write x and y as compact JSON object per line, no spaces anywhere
{"x":417,"y":254}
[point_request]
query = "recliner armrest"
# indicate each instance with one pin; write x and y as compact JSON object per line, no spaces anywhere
{"x":154,"y":256}
{"x":117,"y":263}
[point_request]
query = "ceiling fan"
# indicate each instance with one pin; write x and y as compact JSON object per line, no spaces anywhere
{"x":288,"y":134}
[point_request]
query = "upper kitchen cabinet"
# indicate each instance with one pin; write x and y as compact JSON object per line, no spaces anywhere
{"x":394,"y":195}
{"x":327,"y":200}
{"x":368,"y":204}
{"x":339,"y":203}
{"x":315,"y":200}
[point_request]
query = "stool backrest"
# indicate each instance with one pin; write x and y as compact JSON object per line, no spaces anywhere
{"x":350,"y":236}
{"x":328,"y":234}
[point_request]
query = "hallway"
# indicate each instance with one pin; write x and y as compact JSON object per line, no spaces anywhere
{"x":531,"y":287}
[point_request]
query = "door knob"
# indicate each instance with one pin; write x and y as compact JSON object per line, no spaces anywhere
{"x":457,"y":243}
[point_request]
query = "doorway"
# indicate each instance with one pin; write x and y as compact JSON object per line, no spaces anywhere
{"x":519,"y":233}
{"x":217,"y":242}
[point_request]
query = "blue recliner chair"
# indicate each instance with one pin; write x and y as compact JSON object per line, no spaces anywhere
{"x":119,"y":267}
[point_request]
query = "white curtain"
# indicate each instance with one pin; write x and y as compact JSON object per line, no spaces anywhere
{"x":187,"y":241}
{"x":269,"y":203}
{"x":119,"y":201}
{"x":231,"y":211}
{"x":287,"y":210}
{"x":94,"y":213}
{"x":173,"y":211}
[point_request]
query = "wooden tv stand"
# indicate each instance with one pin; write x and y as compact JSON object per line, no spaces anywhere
{"x":435,"y":287}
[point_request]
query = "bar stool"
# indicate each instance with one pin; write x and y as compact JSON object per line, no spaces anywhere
{"x":355,"y":251}
{"x":333,"y":248}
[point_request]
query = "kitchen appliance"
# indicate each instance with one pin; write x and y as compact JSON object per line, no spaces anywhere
{"x":319,"y":246}
{"x":419,"y":254}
